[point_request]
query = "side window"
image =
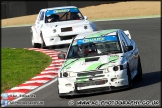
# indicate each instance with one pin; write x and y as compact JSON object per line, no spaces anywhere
{"x":123,"y":41}
{"x":39,"y":16}
{"x":42,"y":16}
{"x":122,"y":38}
{"x":124,"y":46}
{"x":126,"y":38}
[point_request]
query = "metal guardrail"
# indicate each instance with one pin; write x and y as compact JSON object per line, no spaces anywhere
{"x":10,"y":9}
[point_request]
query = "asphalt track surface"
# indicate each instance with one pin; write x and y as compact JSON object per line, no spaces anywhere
{"x":145,"y":32}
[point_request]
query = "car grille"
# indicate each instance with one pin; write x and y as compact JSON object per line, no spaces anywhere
{"x":90,"y":77}
{"x":67,"y":37}
{"x":89,"y":73}
{"x":91,"y":82}
{"x":66,"y":29}
{"x":91,"y":90}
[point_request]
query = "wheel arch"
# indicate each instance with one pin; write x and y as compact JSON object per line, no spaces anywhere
{"x":36,"y":37}
{"x":42,"y":38}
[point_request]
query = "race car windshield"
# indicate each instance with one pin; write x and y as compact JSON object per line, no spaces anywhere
{"x":94,"y":46}
{"x":66,"y":14}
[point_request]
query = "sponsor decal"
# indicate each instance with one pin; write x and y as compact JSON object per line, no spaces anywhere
{"x":95,"y":39}
{"x":56,"y":11}
{"x":105,"y":32}
{"x":61,"y":10}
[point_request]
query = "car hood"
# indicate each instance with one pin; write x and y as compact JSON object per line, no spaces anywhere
{"x":67,"y":23}
{"x":91,"y":63}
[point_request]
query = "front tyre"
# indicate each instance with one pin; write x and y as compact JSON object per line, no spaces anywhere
{"x":129,"y":78}
{"x":35,"y":45}
{"x":61,"y":96}
{"x":43,"y":43}
{"x":139,"y":74}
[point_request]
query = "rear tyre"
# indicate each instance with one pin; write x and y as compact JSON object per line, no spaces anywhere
{"x":129,"y":78}
{"x":43,"y":43}
{"x":139,"y":74}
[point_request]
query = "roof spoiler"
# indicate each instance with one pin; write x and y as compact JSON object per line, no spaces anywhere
{"x":127,"y":33}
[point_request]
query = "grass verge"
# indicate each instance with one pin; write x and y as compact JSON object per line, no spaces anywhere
{"x":19,"y":65}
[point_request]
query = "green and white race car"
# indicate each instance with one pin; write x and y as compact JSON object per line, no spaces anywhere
{"x":99,"y":61}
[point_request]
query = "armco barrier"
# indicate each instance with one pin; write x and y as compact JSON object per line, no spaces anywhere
{"x":21,"y":8}
{"x":33,"y":7}
{"x":3,"y":11}
{"x":56,"y":3}
{"x":81,"y":4}
{"x":102,"y":2}
{"x":16,"y":9}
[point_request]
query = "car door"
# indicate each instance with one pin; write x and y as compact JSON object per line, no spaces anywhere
{"x":135,"y":53}
{"x":132,"y":52}
{"x":128,"y":54}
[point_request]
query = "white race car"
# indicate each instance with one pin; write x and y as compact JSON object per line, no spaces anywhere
{"x":99,"y":61}
{"x":55,"y":26}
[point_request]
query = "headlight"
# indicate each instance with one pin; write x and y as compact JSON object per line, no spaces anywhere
{"x":114,"y":68}
{"x":69,"y":74}
{"x":72,"y":74}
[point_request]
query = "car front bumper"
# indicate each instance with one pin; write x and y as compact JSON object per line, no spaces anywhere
{"x":113,"y":81}
{"x":62,"y":38}
{"x":93,"y":90}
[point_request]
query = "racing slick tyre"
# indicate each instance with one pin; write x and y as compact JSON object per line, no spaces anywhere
{"x":35,"y":45}
{"x":129,"y":77}
{"x":61,"y":96}
{"x":139,"y":74}
{"x":43,"y":44}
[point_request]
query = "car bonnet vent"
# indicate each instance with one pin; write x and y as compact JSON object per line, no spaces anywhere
{"x":91,"y":59}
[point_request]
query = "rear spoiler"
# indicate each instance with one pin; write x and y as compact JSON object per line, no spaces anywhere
{"x":127,"y":33}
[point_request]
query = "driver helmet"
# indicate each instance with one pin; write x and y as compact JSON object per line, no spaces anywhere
{"x":49,"y":18}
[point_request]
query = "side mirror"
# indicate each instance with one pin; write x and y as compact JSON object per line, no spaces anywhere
{"x":61,"y":56}
{"x":85,"y":17}
{"x":128,"y":48}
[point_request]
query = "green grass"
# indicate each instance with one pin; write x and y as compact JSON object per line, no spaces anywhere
{"x":19,"y":65}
